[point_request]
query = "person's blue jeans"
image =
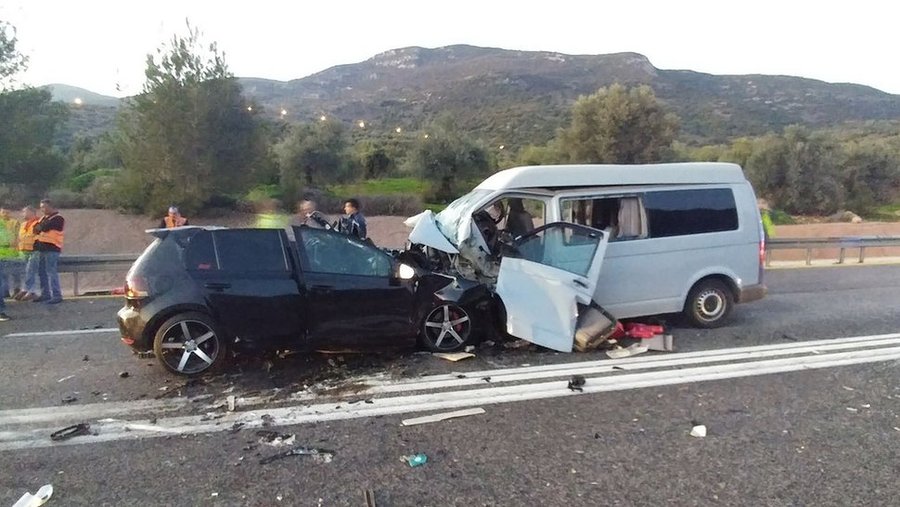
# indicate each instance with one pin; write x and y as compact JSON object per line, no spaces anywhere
{"x":48,"y":274}
{"x":2,"y":286}
{"x":31,"y":270}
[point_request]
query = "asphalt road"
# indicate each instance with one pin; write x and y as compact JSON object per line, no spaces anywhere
{"x":810,"y":432}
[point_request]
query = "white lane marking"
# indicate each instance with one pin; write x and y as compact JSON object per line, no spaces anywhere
{"x":127,"y":430}
{"x":379,"y":385}
{"x":67,"y":332}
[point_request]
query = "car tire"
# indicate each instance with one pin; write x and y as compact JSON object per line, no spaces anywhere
{"x":204,"y":350}
{"x":446,"y":327}
{"x":709,"y":304}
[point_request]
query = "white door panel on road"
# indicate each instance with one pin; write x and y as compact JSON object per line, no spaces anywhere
{"x":557,"y":267}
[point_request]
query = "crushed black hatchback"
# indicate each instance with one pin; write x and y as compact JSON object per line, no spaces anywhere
{"x":198,"y":294}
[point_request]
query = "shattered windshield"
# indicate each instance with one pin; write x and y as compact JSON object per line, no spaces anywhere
{"x":457,"y":214}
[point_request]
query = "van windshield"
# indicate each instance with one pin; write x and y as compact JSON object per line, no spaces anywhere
{"x":453,"y":221}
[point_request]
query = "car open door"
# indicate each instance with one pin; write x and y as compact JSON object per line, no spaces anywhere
{"x":554,"y":269}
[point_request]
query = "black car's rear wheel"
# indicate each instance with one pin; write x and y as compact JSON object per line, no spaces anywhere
{"x":190,"y":344}
{"x":446,"y":328}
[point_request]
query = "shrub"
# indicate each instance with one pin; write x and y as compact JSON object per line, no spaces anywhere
{"x":393,"y":204}
{"x":65,"y":198}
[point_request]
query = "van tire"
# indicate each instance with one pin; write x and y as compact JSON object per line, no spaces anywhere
{"x":709,"y":304}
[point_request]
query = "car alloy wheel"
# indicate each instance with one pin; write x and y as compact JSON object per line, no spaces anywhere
{"x":188,"y":344}
{"x":447,"y":327}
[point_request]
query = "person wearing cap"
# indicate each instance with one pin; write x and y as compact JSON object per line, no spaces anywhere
{"x":173,"y":219}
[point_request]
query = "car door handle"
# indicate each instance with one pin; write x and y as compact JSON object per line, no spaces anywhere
{"x":220,"y":286}
{"x":580,"y":283}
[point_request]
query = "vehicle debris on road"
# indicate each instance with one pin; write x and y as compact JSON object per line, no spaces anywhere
{"x":76,"y":430}
{"x":442,"y":417}
{"x":415,"y":460}
{"x":453,"y":356}
{"x":319,"y":455}
{"x":37,"y":499}
{"x":576,"y":383}
{"x":123,"y":374}
{"x":698,"y":431}
{"x":69,"y":399}
{"x":275,"y":439}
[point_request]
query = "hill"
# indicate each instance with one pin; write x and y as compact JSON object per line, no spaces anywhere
{"x":520,"y":97}
{"x":66,"y":93}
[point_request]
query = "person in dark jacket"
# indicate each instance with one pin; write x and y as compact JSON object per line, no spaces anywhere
{"x":48,"y":244}
{"x":354,"y":223}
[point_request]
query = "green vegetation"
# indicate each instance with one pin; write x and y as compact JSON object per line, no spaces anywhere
{"x":386,"y":186}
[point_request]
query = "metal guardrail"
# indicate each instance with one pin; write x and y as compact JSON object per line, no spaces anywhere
{"x":76,"y":264}
{"x":843,"y":243}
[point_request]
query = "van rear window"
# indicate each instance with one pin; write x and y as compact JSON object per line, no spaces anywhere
{"x":695,"y":211}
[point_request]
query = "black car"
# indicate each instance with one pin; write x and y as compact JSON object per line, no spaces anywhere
{"x":197,"y":294}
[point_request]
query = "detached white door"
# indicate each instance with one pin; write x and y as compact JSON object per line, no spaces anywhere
{"x":556,"y":267}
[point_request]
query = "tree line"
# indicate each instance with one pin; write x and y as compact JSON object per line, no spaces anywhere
{"x":191,"y":137}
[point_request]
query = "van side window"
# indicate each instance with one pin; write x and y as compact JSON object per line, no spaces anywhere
{"x":625,"y":216}
{"x":695,"y":211}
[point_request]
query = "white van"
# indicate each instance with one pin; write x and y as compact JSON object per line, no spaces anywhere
{"x":641,"y":239}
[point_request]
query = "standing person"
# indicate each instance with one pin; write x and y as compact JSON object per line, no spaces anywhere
{"x":6,"y":254}
{"x":309,"y":216}
{"x":8,"y":249}
{"x":48,"y":244}
{"x":765,"y":214}
{"x":354,"y":223}
{"x":173,"y":219}
{"x":27,"y":254}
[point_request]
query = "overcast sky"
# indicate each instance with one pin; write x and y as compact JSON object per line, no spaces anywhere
{"x":102,"y":45}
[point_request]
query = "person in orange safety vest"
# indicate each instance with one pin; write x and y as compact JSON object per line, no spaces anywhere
{"x":173,"y":219}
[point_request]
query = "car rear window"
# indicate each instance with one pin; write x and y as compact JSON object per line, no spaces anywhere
{"x":250,"y":250}
{"x":199,"y":253}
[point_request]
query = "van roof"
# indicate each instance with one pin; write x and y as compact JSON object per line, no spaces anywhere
{"x":590,"y":175}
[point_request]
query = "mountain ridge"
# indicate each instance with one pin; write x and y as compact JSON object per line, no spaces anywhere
{"x":515,"y":97}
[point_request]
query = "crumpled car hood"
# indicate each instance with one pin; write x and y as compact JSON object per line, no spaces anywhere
{"x":426,"y":232}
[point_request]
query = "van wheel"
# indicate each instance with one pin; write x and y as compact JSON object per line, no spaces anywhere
{"x":709,"y":304}
{"x":190,"y":344}
{"x":446,"y":328}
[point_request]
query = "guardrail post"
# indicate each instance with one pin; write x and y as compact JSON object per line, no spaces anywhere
{"x":862,"y":254}
{"x":809,"y":256}
{"x":841,"y":258}
{"x":768,"y":257}
{"x":75,"y":288}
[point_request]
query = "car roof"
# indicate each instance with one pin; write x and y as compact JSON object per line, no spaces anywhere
{"x":162,"y":232}
{"x":590,"y":175}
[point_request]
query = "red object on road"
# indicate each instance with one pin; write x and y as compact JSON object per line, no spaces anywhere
{"x":642,"y":331}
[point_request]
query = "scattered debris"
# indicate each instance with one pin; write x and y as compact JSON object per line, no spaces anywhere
{"x":85,"y":358}
{"x":267,"y":420}
{"x":230,"y":401}
{"x":275,"y":439}
{"x":632,"y":350}
{"x":65,"y":378}
{"x":460,"y":376}
{"x":517,"y":344}
{"x":442,"y":417}
{"x":595,"y":325}
{"x":214,"y":494}
{"x":852,"y":409}
{"x":453,"y":356}
{"x":229,"y":390}
{"x":151,"y":427}
{"x":76,"y":430}
{"x":486,"y":379}
{"x":698,"y":431}
{"x":37,"y":499}
{"x":123,"y":374}
{"x":320,"y":455}
{"x":70,"y":399}
{"x":576,"y":383}
{"x":415,"y":460}
{"x":369,"y":497}
{"x":488,"y":343}
{"x":660,"y":342}
{"x":469,"y":348}
{"x":236,"y":427}
{"x":846,"y":388}
{"x":785,"y":336}
{"x":146,"y":355}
